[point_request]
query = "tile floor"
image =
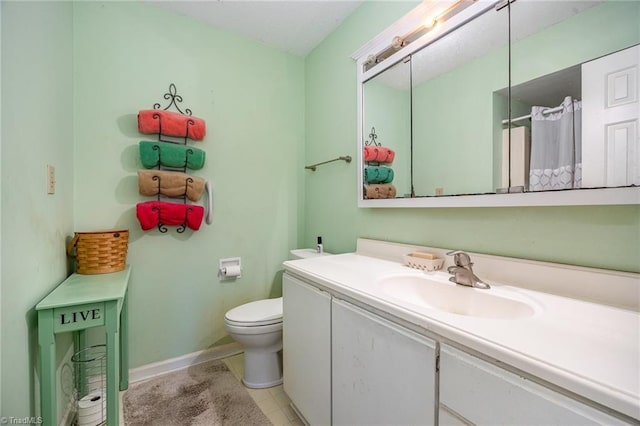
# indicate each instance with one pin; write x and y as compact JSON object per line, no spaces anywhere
{"x":273,"y":402}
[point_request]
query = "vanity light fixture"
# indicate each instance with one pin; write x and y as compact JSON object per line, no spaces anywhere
{"x":398,"y":43}
{"x":371,"y":60}
{"x":430,"y":24}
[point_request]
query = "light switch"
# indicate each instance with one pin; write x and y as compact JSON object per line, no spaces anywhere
{"x":51,"y":179}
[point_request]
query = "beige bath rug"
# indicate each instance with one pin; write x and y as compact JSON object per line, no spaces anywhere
{"x":206,"y":394}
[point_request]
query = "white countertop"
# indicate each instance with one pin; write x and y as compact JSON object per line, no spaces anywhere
{"x":590,"y":349}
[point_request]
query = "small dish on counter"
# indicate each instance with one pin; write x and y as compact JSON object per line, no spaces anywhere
{"x":423,"y":261}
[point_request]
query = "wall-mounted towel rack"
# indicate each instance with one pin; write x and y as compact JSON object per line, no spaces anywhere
{"x":180,"y":125}
{"x":173,"y":157}
{"x":312,"y":167}
{"x":173,"y":96}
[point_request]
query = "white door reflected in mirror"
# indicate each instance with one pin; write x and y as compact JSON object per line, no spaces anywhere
{"x":610,"y":120}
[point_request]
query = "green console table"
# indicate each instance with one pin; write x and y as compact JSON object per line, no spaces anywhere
{"x":79,"y":303}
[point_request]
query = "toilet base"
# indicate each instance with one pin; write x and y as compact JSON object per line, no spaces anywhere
{"x":262,"y":369}
{"x":261,"y":385}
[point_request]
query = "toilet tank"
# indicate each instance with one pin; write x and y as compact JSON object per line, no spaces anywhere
{"x":305,"y":253}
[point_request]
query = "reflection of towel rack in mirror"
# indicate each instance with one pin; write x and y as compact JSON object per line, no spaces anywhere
{"x":313,"y":166}
{"x":372,"y":138}
{"x":209,"y":213}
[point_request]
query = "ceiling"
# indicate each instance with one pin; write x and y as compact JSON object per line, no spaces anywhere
{"x":294,"y":26}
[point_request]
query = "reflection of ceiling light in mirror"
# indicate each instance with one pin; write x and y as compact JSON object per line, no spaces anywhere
{"x":436,"y":20}
{"x":430,"y":24}
{"x":437,"y":23}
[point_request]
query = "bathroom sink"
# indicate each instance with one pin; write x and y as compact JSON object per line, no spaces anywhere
{"x":445,"y":296}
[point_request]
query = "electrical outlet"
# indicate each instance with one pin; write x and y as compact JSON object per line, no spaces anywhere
{"x":51,"y":179}
{"x":439,"y":191}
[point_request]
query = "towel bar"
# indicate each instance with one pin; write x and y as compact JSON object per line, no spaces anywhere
{"x":313,"y":166}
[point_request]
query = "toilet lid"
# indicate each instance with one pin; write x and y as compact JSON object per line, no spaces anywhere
{"x":261,"y":312}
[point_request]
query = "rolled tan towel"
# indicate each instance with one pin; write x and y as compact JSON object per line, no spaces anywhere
{"x":374,"y":191}
{"x":170,"y":184}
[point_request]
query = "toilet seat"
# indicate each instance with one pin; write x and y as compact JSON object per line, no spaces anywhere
{"x":256,"y":314}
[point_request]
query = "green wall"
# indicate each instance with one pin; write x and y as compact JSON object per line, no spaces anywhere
{"x":37,"y":129}
{"x":597,"y":236}
{"x":592,"y":33}
{"x":74,"y":77}
{"x":1,"y":208}
{"x":252,"y":98}
{"x":453,"y":120}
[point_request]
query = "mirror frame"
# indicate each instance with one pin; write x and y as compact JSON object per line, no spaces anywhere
{"x":412,"y":20}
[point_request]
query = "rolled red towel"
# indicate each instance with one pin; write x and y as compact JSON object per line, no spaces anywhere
{"x":379,"y":154}
{"x":151,"y":213}
{"x":169,"y":123}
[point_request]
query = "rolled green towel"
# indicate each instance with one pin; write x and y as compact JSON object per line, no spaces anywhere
{"x":167,"y":154}
{"x":378,"y":174}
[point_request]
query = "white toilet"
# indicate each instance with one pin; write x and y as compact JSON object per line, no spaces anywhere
{"x":258,"y":327}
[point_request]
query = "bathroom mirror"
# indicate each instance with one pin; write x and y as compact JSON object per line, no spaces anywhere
{"x":473,"y":135}
{"x":387,"y":121}
{"x":455,"y":111}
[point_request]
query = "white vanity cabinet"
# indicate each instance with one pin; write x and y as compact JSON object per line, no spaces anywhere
{"x":307,"y":349}
{"x":485,"y":394}
{"x":351,"y":365}
{"x":362,"y":346}
{"x":382,"y":373}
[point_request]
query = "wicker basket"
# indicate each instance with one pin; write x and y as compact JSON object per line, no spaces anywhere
{"x":99,"y":252}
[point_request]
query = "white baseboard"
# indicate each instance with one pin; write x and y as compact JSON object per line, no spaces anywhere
{"x":163,"y":367}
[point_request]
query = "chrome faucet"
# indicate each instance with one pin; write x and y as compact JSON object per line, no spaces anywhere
{"x":463,"y":271}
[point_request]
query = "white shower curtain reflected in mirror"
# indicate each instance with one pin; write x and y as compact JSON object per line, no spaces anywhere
{"x":556,"y":146}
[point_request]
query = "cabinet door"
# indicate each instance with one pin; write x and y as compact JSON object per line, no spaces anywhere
{"x":307,"y":349}
{"x":383,"y":374}
{"x":485,"y":394}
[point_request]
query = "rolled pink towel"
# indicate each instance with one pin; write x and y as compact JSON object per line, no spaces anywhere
{"x":379,"y":154}
{"x":169,"y":123}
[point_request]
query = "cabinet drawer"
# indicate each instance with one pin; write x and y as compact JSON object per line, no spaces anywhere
{"x":485,"y":394}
